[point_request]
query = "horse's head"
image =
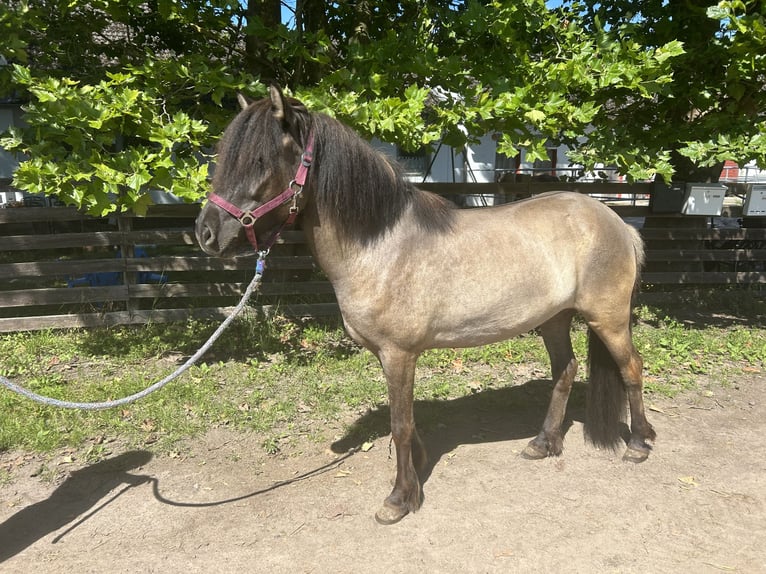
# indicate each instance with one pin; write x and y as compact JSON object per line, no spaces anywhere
{"x":254,"y":185}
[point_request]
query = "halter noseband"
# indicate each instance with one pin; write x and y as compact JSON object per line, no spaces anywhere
{"x":248,"y":218}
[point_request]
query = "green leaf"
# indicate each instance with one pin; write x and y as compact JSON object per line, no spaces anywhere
{"x":535,"y":116}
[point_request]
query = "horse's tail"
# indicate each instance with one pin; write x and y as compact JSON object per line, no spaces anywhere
{"x":605,"y":406}
{"x":640,"y":255}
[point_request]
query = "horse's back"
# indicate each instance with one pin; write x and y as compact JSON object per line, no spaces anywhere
{"x":560,"y":204}
{"x":563,"y":220}
{"x":601,"y":236}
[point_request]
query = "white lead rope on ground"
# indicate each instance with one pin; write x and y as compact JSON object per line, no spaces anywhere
{"x":159,"y":384}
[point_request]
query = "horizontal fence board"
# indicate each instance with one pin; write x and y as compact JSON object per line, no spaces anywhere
{"x":12,"y":324}
{"x":161,"y":237}
{"x":749,"y":255}
{"x":63,"y":295}
{"x":36,"y":214}
{"x":61,"y":240}
{"x":60,"y":214}
{"x":623,"y":210}
{"x":55,"y":296}
{"x":229,"y":289}
{"x":298,"y":262}
{"x":199,"y":263}
{"x":60,"y":268}
{"x":703,"y":278}
{"x":712,"y":234}
{"x":98,"y":239}
{"x":110,"y":319}
{"x":190,"y":210}
{"x":536,"y":187}
{"x":67,"y":268}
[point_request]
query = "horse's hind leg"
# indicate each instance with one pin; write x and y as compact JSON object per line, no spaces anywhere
{"x":558,"y":342}
{"x":411,"y":458}
{"x":641,"y":431}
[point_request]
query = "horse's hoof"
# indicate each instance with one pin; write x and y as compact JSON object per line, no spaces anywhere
{"x":390,"y":514}
{"x":533,"y":452}
{"x":635,"y":455}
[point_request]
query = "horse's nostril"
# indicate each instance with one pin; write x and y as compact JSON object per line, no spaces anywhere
{"x":206,"y":238}
{"x":207,"y":235}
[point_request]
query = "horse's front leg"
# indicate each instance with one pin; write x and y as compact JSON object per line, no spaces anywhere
{"x":411,"y":458}
{"x":558,"y":342}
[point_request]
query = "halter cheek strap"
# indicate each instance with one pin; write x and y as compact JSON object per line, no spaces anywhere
{"x":248,"y":218}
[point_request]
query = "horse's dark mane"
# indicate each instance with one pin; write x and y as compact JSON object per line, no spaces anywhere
{"x":364,"y":193}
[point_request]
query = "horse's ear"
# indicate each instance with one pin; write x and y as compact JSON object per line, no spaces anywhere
{"x":279,"y":105}
{"x":287,"y":112}
{"x":243,"y":101}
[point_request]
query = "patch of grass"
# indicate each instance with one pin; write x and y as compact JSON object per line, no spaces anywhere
{"x":283,"y":378}
{"x":676,"y":354}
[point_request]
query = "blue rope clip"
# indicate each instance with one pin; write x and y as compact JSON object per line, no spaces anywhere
{"x":260,"y":265}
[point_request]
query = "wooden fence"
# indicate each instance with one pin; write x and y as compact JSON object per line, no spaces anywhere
{"x":59,"y":268}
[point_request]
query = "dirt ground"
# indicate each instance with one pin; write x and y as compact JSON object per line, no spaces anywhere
{"x":697,"y":505}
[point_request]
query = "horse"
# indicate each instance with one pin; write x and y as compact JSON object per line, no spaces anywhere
{"x":413,"y":272}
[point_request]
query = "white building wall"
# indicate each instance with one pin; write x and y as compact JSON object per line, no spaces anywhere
{"x":9,"y":116}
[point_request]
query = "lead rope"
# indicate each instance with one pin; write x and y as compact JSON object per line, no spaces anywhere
{"x":254,"y":284}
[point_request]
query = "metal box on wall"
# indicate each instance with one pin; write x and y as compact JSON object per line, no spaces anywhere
{"x":755,"y":201}
{"x":703,"y":199}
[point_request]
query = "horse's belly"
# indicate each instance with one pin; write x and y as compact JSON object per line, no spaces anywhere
{"x":454,"y":322}
{"x":474,"y":325}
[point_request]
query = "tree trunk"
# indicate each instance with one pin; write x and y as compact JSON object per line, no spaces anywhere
{"x":686,"y":171}
{"x":690,"y":23}
{"x":269,"y":14}
{"x":310,"y":17}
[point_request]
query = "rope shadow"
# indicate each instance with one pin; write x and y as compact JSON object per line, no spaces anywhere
{"x":77,"y":495}
{"x":305,"y":476}
{"x":492,"y":415}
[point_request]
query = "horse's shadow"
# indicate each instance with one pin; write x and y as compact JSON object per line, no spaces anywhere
{"x":508,"y":413}
{"x":73,"y":498}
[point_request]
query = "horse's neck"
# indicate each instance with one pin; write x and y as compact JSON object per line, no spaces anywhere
{"x":339,"y":257}
{"x":323,"y":241}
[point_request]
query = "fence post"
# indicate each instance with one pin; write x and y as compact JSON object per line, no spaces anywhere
{"x":127,"y":252}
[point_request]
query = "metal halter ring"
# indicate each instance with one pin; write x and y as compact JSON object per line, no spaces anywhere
{"x":295,"y":186}
{"x":247,"y":219}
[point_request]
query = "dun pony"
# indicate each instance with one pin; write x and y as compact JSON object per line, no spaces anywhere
{"x":412,"y":273}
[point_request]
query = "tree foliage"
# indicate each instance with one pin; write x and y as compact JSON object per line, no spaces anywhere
{"x":713,"y":109}
{"x":127,"y":95}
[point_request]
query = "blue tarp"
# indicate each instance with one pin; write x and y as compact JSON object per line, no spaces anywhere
{"x":109,"y":278}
